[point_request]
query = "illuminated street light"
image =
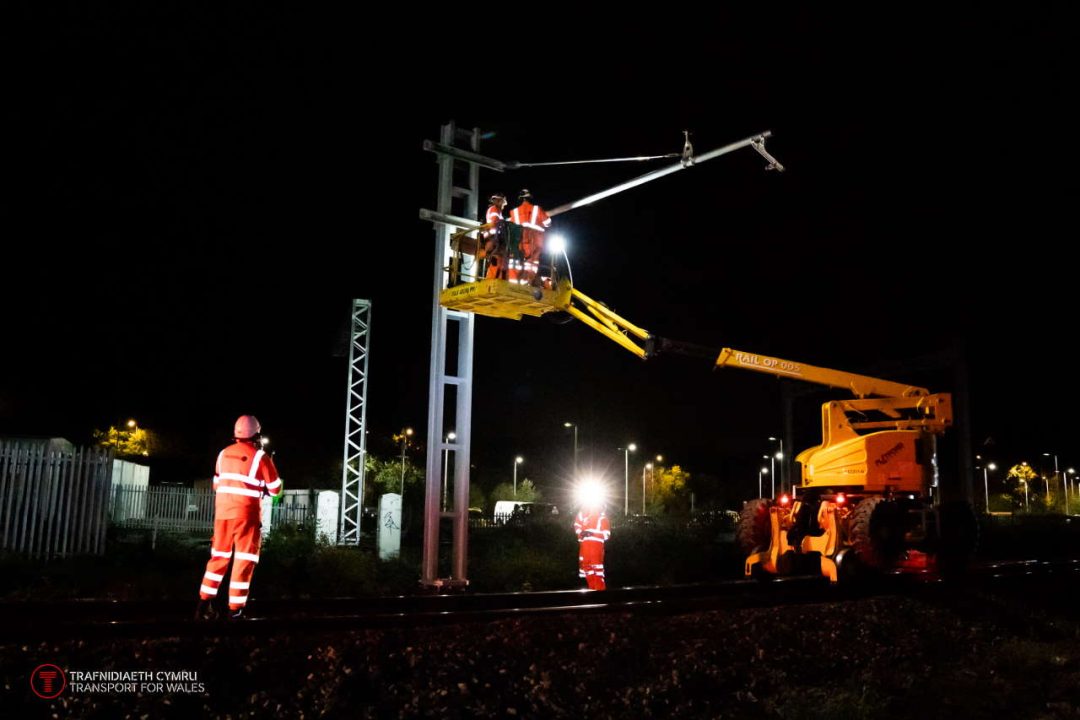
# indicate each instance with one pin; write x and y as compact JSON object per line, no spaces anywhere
{"x":626,"y":476}
{"x":1070,"y":486}
{"x":517,"y":461}
{"x":1056,"y":475}
{"x":778,"y":456}
{"x":659,"y":459}
{"x":405,"y":434}
{"x":986,"y":484}
{"x":762,"y":471}
{"x":573,"y":425}
{"x":646,"y":466}
{"x":771,"y":473}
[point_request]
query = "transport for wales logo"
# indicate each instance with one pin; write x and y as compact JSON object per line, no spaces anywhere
{"x":47,"y":681}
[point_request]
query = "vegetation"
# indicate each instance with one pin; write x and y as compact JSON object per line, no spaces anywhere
{"x":130,"y":441}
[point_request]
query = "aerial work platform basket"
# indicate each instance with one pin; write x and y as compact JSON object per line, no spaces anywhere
{"x":505,"y":298}
{"x":546,"y":292}
{"x":511,"y":298}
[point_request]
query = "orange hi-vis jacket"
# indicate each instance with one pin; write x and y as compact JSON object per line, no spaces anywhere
{"x":494,"y":215}
{"x":530,"y":216}
{"x":592,"y":526}
{"x":243,"y":474}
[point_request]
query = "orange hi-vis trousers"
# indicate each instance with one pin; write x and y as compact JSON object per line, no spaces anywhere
{"x":591,"y":563}
{"x":244,"y":535}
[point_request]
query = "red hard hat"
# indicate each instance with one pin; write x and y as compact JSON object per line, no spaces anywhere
{"x":246,"y":427}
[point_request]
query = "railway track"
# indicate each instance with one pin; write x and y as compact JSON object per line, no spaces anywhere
{"x":104,"y":618}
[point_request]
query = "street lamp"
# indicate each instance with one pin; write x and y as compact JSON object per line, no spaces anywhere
{"x":517,"y":461}
{"x":646,"y":466}
{"x":779,"y":456}
{"x":626,"y":476}
{"x":1053,"y":455}
{"x":1069,"y":490}
{"x":573,"y":425}
{"x":762,"y":471}
{"x":771,"y":472}
{"x":986,"y":484}
{"x":446,"y":466}
{"x":404,"y":443}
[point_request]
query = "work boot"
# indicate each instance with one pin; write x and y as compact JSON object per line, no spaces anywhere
{"x":205,"y":611}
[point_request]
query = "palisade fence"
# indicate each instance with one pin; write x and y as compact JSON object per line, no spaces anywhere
{"x":187,"y":510}
{"x":169,"y":509}
{"x":58,"y":503}
{"x":53,"y":504}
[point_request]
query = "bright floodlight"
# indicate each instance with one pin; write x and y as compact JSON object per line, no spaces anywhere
{"x":631,"y":447}
{"x":590,"y":493}
{"x":556,"y":244}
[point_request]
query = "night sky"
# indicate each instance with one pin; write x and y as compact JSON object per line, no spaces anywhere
{"x":191,"y":204}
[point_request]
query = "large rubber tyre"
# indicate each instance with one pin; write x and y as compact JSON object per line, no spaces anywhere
{"x":877,"y":532}
{"x":753,"y":531}
{"x":959,"y":537}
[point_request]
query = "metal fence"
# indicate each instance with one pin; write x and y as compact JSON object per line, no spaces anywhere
{"x":162,"y":508}
{"x":185,"y":510}
{"x":53,"y":503}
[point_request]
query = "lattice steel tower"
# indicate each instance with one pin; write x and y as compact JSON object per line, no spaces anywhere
{"x":352,"y":471}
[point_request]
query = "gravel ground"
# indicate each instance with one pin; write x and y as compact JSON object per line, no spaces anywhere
{"x":972,"y":656}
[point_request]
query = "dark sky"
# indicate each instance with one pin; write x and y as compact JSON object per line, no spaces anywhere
{"x":192,"y":202}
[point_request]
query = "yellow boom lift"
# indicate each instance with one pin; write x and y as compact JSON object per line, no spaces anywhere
{"x":868,"y":491}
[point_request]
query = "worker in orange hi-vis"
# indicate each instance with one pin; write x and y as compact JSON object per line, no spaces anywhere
{"x":243,"y":475}
{"x":593,"y":530}
{"x":534,"y":222}
{"x":495,"y":238}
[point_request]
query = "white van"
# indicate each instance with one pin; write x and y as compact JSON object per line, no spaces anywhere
{"x":504,"y":509}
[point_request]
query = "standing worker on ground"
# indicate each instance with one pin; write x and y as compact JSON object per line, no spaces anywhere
{"x":593,"y":530}
{"x":534,"y":222}
{"x":243,"y":475}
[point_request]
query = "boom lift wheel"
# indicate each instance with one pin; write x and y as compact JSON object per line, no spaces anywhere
{"x":753,"y":532}
{"x":877,"y":532}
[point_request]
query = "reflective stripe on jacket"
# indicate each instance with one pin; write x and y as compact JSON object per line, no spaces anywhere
{"x":592,"y":526}
{"x":531,"y":216}
{"x":243,"y":475}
